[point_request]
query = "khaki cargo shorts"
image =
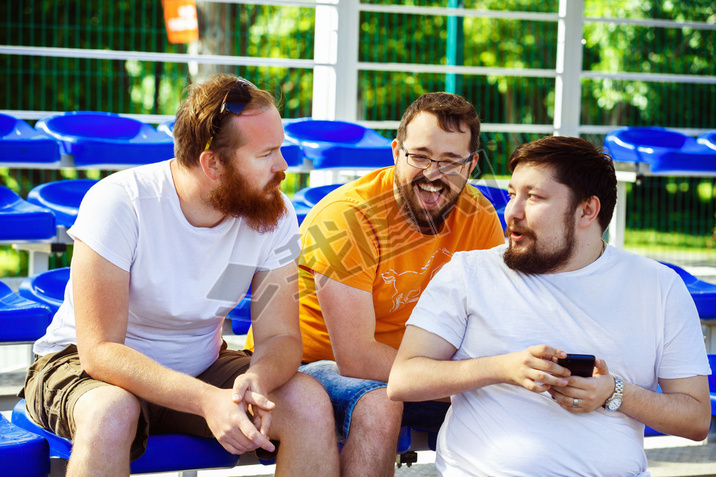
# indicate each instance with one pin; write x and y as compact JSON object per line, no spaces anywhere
{"x":56,"y":381}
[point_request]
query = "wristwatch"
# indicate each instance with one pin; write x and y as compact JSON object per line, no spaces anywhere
{"x":615,"y":401}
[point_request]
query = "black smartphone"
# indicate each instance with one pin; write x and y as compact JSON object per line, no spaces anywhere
{"x":579,"y":364}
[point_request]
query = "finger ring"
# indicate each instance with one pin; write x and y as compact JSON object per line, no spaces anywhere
{"x":575,"y":402}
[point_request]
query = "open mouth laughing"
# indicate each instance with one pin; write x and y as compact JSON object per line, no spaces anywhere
{"x":430,"y":193}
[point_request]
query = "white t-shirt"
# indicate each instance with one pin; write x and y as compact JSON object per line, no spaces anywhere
{"x":183,"y":279}
{"x":632,"y":312}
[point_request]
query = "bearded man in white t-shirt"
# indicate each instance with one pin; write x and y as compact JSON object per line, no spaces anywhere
{"x":162,"y":252}
{"x":491,"y":326}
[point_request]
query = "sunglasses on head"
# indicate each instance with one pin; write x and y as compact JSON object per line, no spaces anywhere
{"x":235,"y":100}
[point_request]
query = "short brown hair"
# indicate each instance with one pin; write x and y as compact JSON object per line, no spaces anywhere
{"x":451,"y":110}
{"x":588,"y":171}
{"x":196,"y":119}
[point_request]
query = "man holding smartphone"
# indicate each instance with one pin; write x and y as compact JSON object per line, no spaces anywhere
{"x":492,"y":325}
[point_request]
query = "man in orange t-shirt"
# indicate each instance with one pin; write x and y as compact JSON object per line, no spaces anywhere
{"x":369,"y":250}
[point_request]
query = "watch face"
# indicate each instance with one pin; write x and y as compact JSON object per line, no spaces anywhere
{"x":614,"y":404}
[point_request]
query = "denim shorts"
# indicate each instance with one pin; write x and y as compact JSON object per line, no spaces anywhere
{"x":345,"y":392}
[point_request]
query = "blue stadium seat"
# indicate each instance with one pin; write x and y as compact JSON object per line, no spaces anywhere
{"x":165,"y":452}
{"x":302,"y":211}
{"x":22,"y":453}
{"x":240,"y":315}
{"x":167,"y":127}
{"x":499,"y":199}
{"x":310,"y":196}
{"x":404,"y":440}
{"x":292,"y":154}
{"x":664,"y":150}
{"x":47,"y":288}
{"x":22,"y":145}
{"x":708,"y":139}
{"x":339,"y":144}
{"x":62,"y":197}
{"x":304,"y":199}
{"x":21,"y":320}
{"x":23,"y":221}
{"x":97,"y":139}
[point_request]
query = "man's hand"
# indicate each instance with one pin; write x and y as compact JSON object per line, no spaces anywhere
{"x":535,"y":368}
{"x":230,"y":423}
{"x":247,"y":391}
{"x":587,"y":393}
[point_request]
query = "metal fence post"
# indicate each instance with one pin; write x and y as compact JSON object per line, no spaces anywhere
{"x":335,"y":78}
{"x":455,"y":47}
{"x":347,"y":65}
{"x":568,"y":86}
{"x":325,"y":55}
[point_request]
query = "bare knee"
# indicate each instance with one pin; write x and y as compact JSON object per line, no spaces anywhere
{"x":108,"y":411}
{"x":375,"y":416}
{"x":303,"y":398}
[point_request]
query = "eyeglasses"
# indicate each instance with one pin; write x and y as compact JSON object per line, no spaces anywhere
{"x":449,"y":168}
{"x":235,"y":100}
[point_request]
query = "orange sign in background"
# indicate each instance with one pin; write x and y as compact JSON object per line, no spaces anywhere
{"x":181,"y":20}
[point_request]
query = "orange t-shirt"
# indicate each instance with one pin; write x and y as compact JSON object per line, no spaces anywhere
{"x":356,"y":235}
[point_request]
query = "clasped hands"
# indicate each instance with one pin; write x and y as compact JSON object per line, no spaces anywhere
{"x":536,"y":370}
{"x":240,"y":418}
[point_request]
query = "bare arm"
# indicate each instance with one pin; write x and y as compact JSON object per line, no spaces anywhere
{"x":277,"y":336}
{"x":101,"y":298}
{"x":350,"y":319}
{"x":423,"y":369}
{"x":683,"y":408}
{"x":274,"y":315}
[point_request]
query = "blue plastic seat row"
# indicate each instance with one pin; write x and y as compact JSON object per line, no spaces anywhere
{"x":97,"y":138}
{"x":101,"y":139}
{"x":328,"y":144}
{"x":664,"y":150}
{"x":339,"y":144}
{"x":92,"y":138}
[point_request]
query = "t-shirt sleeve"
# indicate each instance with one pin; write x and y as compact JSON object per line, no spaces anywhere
{"x":107,"y":223}
{"x":684,"y":350}
{"x":442,"y":308}
{"x":285,"y":243}
{"x":339,"y":242}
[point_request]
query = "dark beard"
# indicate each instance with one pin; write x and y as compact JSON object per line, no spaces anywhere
{"x":428,"y":223}
{"x":533,"y":262}
{"x":236,"y":197}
